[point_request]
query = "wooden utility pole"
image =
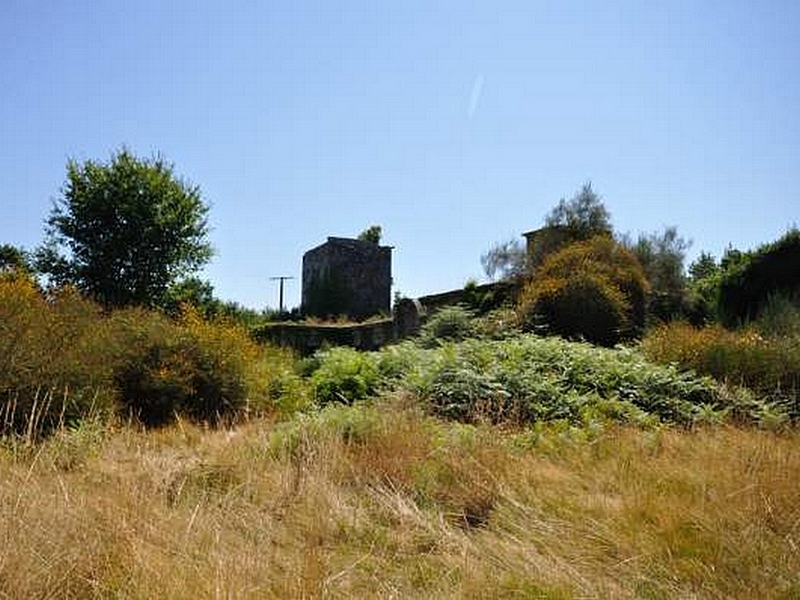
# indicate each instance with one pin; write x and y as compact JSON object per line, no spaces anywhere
{"x":282,"y":278}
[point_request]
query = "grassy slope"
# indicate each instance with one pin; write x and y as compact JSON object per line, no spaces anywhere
{"x":384,"y":502}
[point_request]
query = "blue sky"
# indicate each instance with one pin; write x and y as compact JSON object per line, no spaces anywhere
{"x":453,"y":125}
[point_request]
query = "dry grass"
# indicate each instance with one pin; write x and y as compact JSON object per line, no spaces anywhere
{"x":362,"y":502}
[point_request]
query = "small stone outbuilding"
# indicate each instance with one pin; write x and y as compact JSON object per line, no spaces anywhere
{"x":347,"y":277}
{"x":544,"y":241}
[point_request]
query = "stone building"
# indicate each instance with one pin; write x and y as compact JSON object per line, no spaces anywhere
{"x":544,"y":241}
{"x":347,"y":277}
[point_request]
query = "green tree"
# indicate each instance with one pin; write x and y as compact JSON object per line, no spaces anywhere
{"x":661,"y":256}
{"x":584,"y":215}
{"x":14,"y":259}
{"x":505,"y":260}
{"x":192,"y":291}
{"x":705,"y":275}
{"x":749,"y":279}
{"x":371,"y":234}
{"x":124,"y":231}
{"x":703,"y":267}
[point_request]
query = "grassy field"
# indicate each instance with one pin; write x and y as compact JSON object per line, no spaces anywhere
{"x":382,"y":501}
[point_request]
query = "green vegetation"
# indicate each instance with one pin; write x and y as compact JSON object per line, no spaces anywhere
{"x":371,"y":234}
{"x":451,"y":323}
{"x":583,"y":216}
{"x":593,"y":289}
{"x":755,"y":295}
{"x":746,"y":285}
{"x":14,"y":259}
{"x":661,"y":256}
{"x":526,"y":379}
{"x":770,"y":366}
{"x":125,"y":231}
{"x":505,"y":260}
{"x":62,"y":359}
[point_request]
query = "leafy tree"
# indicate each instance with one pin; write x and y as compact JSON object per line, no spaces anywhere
{"x":661,"y":256}
{"x":703,"y":267}
{"x":14,"y":259}
{"x":583,"y":216}
{"x":705,"y":275}
{"x":125,"y":231}
{"x":194,"y":292}
{"x":505,"y":260}
{"x":371,"y":234}
{"x":750,"y":278}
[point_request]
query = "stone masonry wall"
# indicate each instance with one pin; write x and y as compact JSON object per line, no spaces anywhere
{"x":347,"y":277}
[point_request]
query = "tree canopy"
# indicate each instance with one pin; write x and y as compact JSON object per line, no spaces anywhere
{"x":750,"y":279}
{"x":124,"y":231}
{"x":13,"y":258}
{"x":505,"y":260}
{"x":584,"y":215}
{"x":662,"y":256}
{"x":372,"y":234}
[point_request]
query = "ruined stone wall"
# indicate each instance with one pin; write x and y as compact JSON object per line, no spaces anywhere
{"x":409,"y":315}
{"x":307,"y":339}
{"x":502,"y":292}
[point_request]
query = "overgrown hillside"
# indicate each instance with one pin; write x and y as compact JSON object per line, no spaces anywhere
{"x":144,"y":456}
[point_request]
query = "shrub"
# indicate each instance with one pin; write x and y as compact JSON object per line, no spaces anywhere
{"x":52,"y":366}
{"x":344,"y":375}
{"x":62,"y":359}
{"x":748,"y":283}
{"x":582,"y":306}
{"x":593,"y":290}
{"x":499,"y":323}
{"x":452,"y":323}
{"x":780,"y":316}
{"x":528,"y":379}
{"x":769,"y":366}
{"x":194,"y":368}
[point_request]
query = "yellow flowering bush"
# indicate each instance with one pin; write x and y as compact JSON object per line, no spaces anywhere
{"x":769,"y":365}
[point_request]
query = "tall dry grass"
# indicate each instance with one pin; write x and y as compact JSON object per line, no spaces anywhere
{"x":383,"y":502}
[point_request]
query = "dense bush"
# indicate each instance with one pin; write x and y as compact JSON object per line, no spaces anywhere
{"x":63,"y":359}
{"x":343,"y":375}
{"x":53,"y":368}
{"x":780,"y":316}
{"x":453,"y":323}
{"x":768,"y":365}
{"x":167,"y":369}
{"x":746,"y":284}
{"x":582,"y":306}
{"x":528,"y":379}
{"x":193,"y":367}
{"x":593,"y":290}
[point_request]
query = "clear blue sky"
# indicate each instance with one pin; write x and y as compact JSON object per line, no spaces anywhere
{"x":451,"y":124}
